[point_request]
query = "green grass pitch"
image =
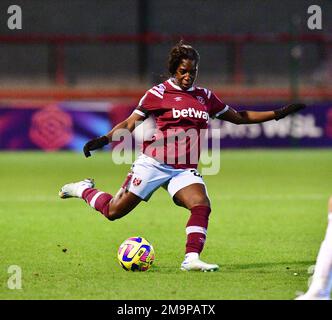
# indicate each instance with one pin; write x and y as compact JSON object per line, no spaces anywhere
{"x":269,"y":214}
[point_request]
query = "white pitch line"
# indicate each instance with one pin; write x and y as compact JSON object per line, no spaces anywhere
{"x":31,"y":199}
{"x":275,"y":197}
{"x":290,"y":197}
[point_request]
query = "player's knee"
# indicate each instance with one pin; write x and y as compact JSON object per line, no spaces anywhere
{"x":116,"y":213}
{"x":199,"y":201}
{"x":178,"y":202}
{"x":111,"y":216}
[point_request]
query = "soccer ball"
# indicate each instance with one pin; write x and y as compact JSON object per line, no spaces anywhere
{"x":136,"y":254}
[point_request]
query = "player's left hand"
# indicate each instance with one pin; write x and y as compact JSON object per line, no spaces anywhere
{"x":95,"y":144}
{"x":287,"y":110}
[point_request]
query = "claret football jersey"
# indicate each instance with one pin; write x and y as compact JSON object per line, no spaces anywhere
{"x":181,"y":118}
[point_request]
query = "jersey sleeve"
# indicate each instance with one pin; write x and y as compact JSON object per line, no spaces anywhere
{"x":216,"y":106}
{"x":149,"y":103}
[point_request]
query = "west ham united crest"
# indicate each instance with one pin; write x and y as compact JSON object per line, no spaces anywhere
{"x":137,"y":182}
{"x":200,"y":99}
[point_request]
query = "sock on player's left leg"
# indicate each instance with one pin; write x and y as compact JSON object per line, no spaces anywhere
{"x":98,"y":200}
{"x":196,"y":230}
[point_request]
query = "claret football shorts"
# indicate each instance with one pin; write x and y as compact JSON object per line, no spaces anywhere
{"x":147,"y":175}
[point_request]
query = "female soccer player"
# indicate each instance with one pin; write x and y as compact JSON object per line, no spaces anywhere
{"x":321,"y":285}
{"x":181,"y":111}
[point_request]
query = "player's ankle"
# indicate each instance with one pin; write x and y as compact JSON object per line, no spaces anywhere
{"x":191,"y":256}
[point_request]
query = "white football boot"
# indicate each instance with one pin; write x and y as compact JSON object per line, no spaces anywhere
{"x":307,"y":296}
{"x":75,"y":189}
{"x":319,"y":290}
{"x":193,"y":263}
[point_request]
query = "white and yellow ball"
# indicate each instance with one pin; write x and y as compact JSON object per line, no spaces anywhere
{"x":136,"y":254}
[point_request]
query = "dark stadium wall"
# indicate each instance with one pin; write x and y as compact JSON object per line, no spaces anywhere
{"x":261,"y":62}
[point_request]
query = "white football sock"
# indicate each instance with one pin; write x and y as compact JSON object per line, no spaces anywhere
{"x":322,"y":279}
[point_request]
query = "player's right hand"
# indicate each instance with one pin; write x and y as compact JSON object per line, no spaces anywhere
{"x":94,"y":144}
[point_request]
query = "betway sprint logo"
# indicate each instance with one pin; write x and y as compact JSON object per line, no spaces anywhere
{"x":190,"y":112}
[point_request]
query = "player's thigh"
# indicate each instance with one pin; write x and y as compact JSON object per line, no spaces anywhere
{"x":147,"y":176}
{"x":191,"y":196}
{"x":188,"y":189}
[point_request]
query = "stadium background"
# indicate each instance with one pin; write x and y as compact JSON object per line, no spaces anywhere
{"x":77,"y":67}
{"x":252,"y":53}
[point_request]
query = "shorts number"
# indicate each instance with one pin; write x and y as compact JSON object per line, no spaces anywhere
{"x":196,"y":173}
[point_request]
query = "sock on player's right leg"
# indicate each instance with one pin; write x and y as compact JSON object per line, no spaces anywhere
{"x":85,"y":190}
{"x":98,"y":200}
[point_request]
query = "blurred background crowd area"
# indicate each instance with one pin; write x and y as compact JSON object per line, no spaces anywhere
{"x":76,"y":56}
{"x":113,"y":44}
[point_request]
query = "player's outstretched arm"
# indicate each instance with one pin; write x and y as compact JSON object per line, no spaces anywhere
{"x":248,"y":117}
{"x":287,"y":110}
{"x":100,"y":142}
